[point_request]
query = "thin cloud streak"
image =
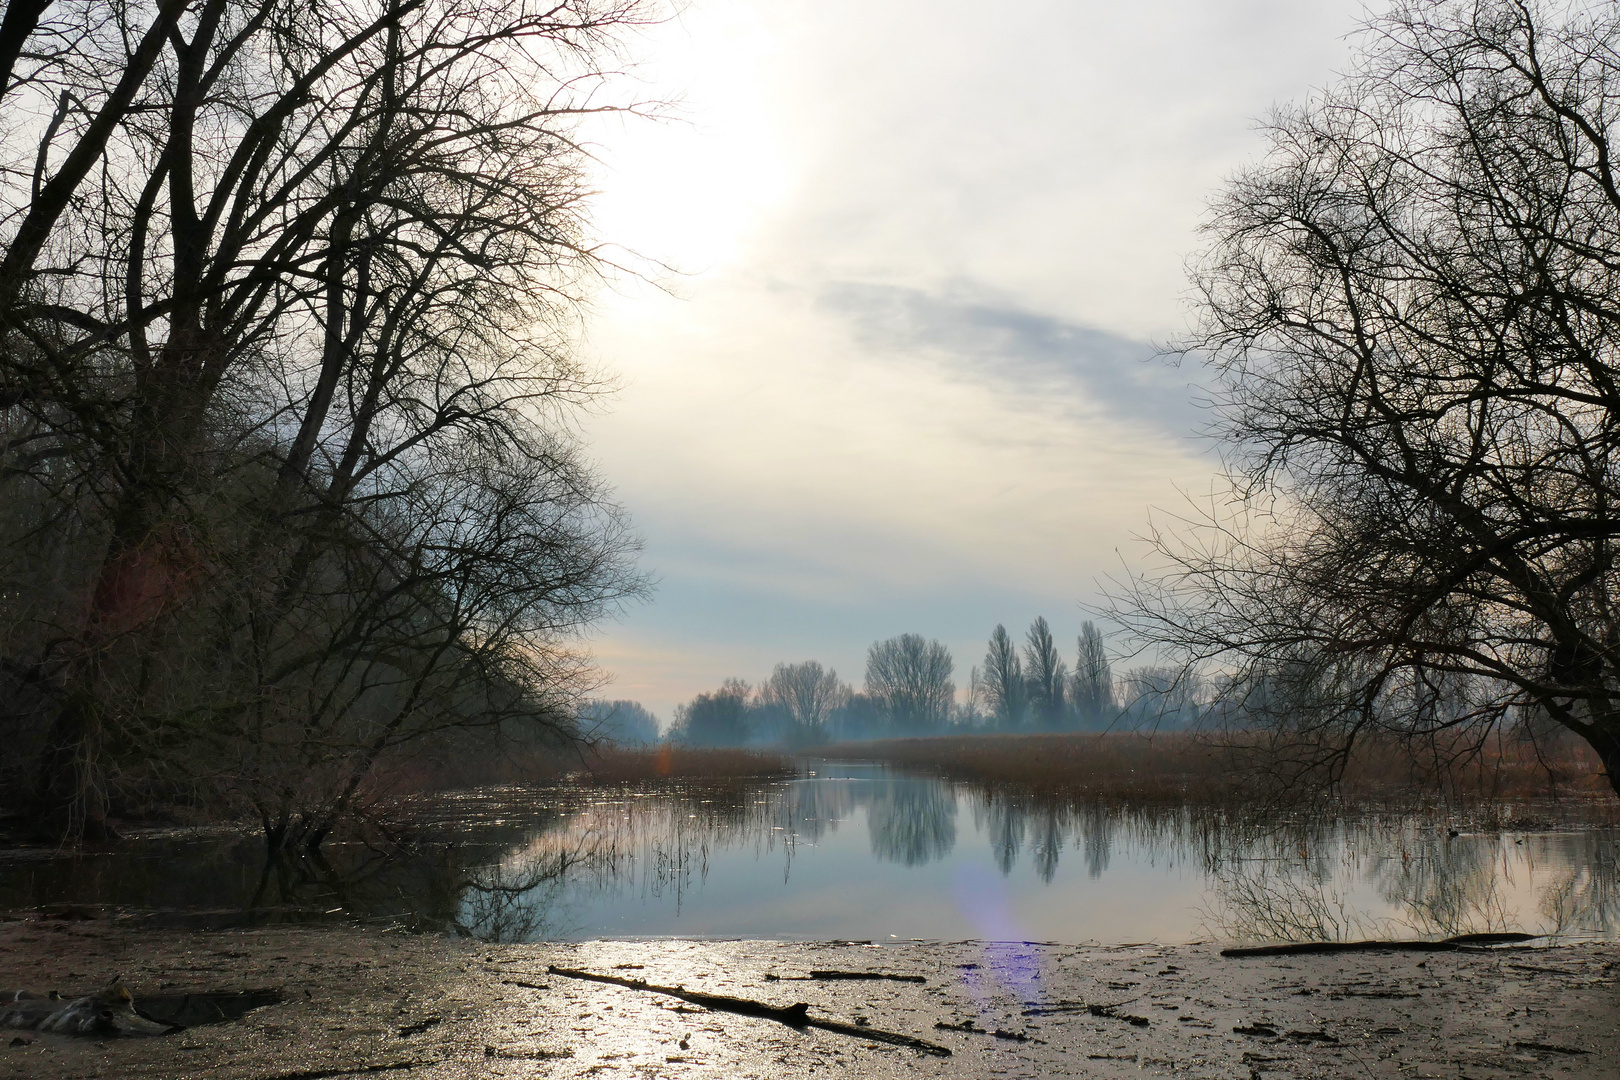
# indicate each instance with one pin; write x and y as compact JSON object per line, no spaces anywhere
{"x":1004,"y":345}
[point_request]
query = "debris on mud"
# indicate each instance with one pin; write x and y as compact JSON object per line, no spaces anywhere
{"x":350,"y":1000}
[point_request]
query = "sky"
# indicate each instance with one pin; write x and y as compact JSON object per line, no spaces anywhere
{"x":904,"y":371}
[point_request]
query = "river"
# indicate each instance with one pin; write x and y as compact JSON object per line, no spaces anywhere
{"x":850,"y":852}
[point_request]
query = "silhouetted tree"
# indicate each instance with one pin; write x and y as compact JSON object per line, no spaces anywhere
{"x":1092,"y":688}
{"x":1410,"y":302}
{"x":861,"y":716}
{"x":809,"y":694}
{"x":624,"y":723}
{"x":912,"y":678}
{"x":1046,"y":675}
{"x":723,"y":718}
{"x":1003,"y":680}
{"x":284,"y":306}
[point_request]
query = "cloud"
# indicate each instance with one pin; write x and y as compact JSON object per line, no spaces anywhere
{"x":1005,"y":346}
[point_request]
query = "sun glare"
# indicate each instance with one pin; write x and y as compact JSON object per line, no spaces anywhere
{"x":686,"y":187}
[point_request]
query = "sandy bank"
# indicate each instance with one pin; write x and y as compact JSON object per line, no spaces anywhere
{"x":378,"y":1002}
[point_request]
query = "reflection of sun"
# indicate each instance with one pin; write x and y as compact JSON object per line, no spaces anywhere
{"x":686,"y":191}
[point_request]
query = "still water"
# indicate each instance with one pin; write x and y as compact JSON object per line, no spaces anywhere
{"x":859,"y":853}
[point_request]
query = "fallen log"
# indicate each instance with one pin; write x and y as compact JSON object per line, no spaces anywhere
{"x":794,"y":1016}
{"x":1450,"y":944}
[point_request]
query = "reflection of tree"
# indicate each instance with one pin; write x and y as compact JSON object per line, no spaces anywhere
{"x":1453,"y":886}
{"x":1004,"y":821}
{"x":1009,"y":821}
{"x":1098,"y":835}
{"x":533,"y":862}
{"x":1049,"y":837}
{"x":1585,"y":899}
{"x":1259,"y":901}
{"x":809,"y":809}
{"x":415,"y":884}
{"x":912,"y":821}
{"x":1290,"y":878}
{"x":519,"y":900}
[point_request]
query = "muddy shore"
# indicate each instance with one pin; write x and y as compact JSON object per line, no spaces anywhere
{"x":375,"y":1001}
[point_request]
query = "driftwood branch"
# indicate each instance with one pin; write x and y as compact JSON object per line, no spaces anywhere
{"x":1450,"y":944}
{"x":1549,"y":1048}
{"x":1109,"y":1012}
{"x":794,"y":1016}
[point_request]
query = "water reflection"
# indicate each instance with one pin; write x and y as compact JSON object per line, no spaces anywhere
{"x":691,"y":864}
{"x":911,"y":821}
{"x":866,"y":854}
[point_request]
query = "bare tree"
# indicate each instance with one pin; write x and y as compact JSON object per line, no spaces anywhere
{"x":911,"y":676}
{"x":1046,"y":673}
{"x":284,"y":308}
{"x":1158,"y":697}
{"x":1411,"y":302}
{"x":1092,"y":688}
{"x":808,"y":693}
{"x":624,"y":723}
{"x":723,"y":718}
{"x":1004,"y":681}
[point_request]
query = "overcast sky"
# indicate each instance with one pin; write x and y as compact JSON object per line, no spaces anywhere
{"x":905,"y":380}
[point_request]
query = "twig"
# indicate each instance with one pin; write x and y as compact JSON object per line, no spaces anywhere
{"x":795,"y":1016}
{"x":973,"y":1029}
{"x":1107,"y":1011}
{"x":866,"y":975}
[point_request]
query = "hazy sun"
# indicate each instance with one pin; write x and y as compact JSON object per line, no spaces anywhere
{"x":686,"y":190}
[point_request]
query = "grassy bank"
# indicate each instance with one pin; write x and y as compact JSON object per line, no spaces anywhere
{"x":1182,"y":767}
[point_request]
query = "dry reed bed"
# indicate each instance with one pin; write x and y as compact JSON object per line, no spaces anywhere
{"x":1186,"y":767}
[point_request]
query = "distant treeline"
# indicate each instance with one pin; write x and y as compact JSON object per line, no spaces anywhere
{"x":909,"y":690}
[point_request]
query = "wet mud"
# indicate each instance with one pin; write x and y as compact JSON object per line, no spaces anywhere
{"x":311,"y":1002}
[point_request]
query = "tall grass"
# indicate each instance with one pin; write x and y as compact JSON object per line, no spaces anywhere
{"x":1199,"y":768}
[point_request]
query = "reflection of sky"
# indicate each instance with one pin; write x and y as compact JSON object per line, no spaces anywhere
{"x":884,"y":857}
